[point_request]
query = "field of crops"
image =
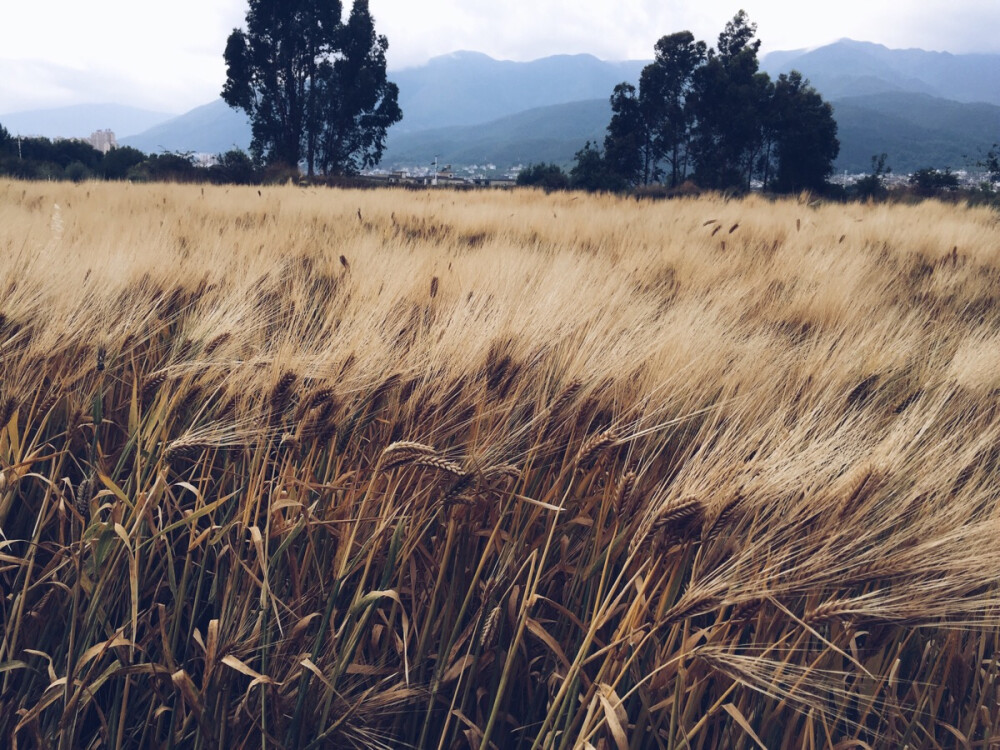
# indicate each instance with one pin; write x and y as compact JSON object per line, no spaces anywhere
{"x":299,"y":468}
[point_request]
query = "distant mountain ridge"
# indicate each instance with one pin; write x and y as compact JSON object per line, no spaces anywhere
{"x":922,"y":108}
{"x":916,"y":130}
{"x":851,"y":68}
{"x":468,"y":88}
{"x":212,"y":128}
{"x":80,"y":120}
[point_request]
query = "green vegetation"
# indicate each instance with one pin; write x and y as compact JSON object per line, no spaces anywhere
{"x":929,"y":182}
{"x":711,"y":115}
{"x":991,"y":163}
{"x":75,"y":161}
{"x":872,"y":186}
{"x":313,"y":87}
{"x":547,"y":176}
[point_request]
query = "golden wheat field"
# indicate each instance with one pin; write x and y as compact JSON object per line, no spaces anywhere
{"x":303,"y":468}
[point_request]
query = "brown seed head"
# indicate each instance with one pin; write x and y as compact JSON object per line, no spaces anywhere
{"x":491,"y":629}
{"x":281,"y":392}
{"x":722,"y":519}
{"x":216,"y":342}
{"x":7,"y":411}
{"x":441,"y":464}
{"x":459,"y":486}
{"x":680,"y":516}
{"x":403,"y":452}
{"x":150,"y":387}
{"x":624,"y":493}
{"x":594,"y":446}
{"x":46,"y":406}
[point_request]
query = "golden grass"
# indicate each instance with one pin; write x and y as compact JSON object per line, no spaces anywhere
{"x":313,"y":468}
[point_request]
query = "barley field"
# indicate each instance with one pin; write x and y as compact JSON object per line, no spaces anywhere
{"x":302,"y":468}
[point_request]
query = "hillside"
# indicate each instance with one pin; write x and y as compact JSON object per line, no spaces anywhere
{"x":462,"y":89}
{"x":550,"y":134}
{"x":915,"y":130}
{"x":212,"y":128}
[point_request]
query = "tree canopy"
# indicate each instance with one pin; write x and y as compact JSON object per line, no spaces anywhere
{"x":314,"y":87}
{"x":711,"y":114}
{"x":547,"y":176}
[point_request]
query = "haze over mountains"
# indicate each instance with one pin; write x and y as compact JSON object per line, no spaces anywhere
{"x":83,"y":119}
{"x":922,"y":108}
{"x":848,"y":68}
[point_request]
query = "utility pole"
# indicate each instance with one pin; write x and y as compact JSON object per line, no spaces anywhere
{"x":434,"y":181}
{"x":19,"y":157}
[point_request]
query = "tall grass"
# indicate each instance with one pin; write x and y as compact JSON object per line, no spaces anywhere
{"x":311,"y":469}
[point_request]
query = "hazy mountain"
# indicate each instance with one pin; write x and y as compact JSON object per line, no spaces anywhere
{"x":849,"y":68}
{"x":915,"y":130}
{"x":550,"y":134}
{"x":469,"y":109}
{"x":211,"y":129}
{"x":466,"y":88}
{"x":80,"y":120}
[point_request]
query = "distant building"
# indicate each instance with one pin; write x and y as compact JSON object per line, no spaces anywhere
{"x":103,"y":140}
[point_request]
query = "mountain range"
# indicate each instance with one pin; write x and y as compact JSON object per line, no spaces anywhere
{"x":848,"y":68}
{"x":80,"y":120}
{"x":921,"y":108}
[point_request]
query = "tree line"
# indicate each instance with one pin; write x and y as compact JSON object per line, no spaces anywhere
{"x":711,"y":116}
{"x":38,"y":158}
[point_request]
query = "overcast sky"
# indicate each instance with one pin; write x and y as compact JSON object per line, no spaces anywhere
{"x":168,"y":56}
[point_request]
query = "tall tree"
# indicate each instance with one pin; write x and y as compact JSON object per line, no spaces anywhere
{"x":729,"y":100}
{"x":803,"y":134}
{"x":653,"y":123}
{"x":307,"y":80}
{"x":357,"y":102}
{"x":629,"y":150}
{"x":714,"y":110}
{"x":665,"y":85}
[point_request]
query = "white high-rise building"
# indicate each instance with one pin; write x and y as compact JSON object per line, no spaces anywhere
{"x":103,"y":140}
